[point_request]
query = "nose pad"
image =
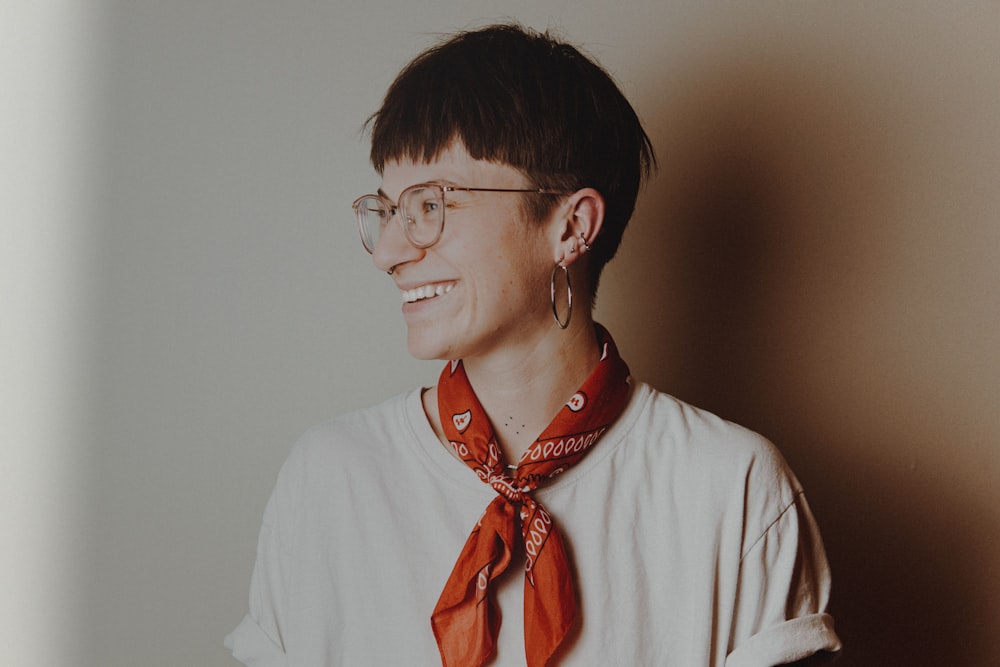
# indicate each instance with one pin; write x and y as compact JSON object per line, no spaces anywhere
{"x":393,"y":248}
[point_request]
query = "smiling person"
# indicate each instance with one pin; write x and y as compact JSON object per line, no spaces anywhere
{"x":537,"y":505}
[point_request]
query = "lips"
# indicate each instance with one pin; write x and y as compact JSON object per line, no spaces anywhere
{"x":426,"y":292}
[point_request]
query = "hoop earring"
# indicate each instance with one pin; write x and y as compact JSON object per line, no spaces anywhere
{"x":569,"y":296}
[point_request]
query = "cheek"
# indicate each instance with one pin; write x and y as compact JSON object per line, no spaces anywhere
{"x":512,"y":263}
{"x":530,"y":288}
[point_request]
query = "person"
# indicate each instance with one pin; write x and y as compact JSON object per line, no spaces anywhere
{"x":537,"y":505}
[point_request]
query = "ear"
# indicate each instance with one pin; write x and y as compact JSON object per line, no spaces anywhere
{"x":578,"y":225}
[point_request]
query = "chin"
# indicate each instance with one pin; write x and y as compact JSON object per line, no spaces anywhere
{"x":426,"y":347}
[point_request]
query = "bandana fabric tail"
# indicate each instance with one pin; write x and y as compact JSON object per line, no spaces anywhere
{"x":466,"y":620}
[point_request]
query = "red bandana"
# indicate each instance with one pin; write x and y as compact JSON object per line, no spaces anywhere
{"x":466,"y":620}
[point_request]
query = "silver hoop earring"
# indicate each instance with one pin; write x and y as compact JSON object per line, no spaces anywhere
{"x":586,"y":246}
{"x":569,"y":296}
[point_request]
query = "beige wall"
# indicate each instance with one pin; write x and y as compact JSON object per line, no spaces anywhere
{"x":817,"y":259}
{"x":828,"y":272}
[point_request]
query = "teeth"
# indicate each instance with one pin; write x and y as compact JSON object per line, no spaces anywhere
{"x":426,"y":292}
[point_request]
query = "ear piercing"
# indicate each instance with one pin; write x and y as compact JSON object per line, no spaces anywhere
{"x":573,"y":249}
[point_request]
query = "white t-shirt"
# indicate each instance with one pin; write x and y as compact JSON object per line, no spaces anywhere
{"x":691,"y":541}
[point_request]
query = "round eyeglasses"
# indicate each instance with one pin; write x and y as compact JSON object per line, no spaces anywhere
{"x":421,"y":212}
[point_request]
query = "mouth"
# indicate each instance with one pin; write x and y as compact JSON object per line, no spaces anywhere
{"x":426,"y":292}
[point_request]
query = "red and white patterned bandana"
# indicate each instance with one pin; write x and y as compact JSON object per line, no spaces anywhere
{"x":466,"y":620}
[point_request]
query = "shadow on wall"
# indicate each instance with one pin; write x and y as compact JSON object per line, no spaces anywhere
{"x":782,"y":200}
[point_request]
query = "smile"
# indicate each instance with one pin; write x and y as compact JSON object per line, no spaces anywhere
{"x":426,"y":292}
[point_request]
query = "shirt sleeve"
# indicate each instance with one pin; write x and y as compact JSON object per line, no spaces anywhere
{"x":784,"y":589}
{"x":257,"y":640}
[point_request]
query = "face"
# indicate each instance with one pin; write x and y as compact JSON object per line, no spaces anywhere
{"x":483,"y":288}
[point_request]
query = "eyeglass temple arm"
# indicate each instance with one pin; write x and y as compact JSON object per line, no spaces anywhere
{"x":537,"y":191}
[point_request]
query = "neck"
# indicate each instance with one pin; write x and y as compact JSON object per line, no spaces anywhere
{"x":522,"y":390}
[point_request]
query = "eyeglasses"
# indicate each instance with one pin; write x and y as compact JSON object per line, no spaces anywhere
{"x":421,"y":212}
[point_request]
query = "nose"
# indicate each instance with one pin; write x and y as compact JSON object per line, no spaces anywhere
{"x":393,"y":248}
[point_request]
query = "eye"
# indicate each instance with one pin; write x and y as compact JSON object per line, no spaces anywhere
{"x":383,"y":215}
{"x":426,"y":204}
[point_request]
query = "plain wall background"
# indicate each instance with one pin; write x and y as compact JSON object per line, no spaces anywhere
{"x":184,"y":292}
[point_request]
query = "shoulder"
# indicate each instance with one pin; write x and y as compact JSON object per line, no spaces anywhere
{"x":352,"y":442}
{"x":376,"y":424}
{"x":710,"y":460}
{"x":698,"y":437}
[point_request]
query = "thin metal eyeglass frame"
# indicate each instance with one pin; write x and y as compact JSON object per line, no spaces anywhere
{"x":394,"y":208}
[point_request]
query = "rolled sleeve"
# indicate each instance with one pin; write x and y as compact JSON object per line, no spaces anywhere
{"x":258,"y":640}
{"x":788,"y":642}
{"x":783,"y":594}
{"x":253,"y":647}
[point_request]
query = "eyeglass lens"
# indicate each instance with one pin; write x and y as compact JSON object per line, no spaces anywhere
{"x":421,"y":211}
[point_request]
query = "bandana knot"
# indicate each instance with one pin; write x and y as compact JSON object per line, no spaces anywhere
{"x":508,"y":488}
